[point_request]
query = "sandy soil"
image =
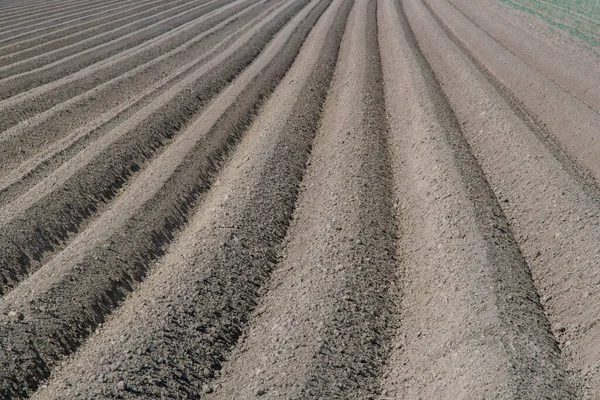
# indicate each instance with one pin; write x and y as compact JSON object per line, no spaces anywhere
{"x":296,"y":199}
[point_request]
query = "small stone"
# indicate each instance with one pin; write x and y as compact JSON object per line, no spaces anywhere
{"x":260,"y":392}
{"x":206,"y":389}
{"x":16,"y":315}
{"x":121,"y":385}
{"x":545,"y":299}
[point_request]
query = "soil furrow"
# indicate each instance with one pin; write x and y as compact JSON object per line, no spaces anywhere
{"x":32,"y":72}
{"x":471,"y":322}
{"x":138,"y":90}
{"x":104,"y":262}
{"x":553,"y":217}
{"x":26,"y":7}
{"x":10,"y":7}
{"x":54,"y":26}
{"x":53,"y":130}
{"x":588,"y":14}
{"x":15,"y":16}
{"x":241,"y":223}
{"x":325,"y":319}
{"x":563,"y":44}
{"x":46,"y":22}
{"x":42,"y":220}
{"x":48,"y":9}
{"x":534,"y":96}
{"x":575,"y":75}
{"x":586,"y":30}
{"x":23,"y":50}
{"x":23,"y":113}
{"x":83,"y":23}
{"x":299,"y":199}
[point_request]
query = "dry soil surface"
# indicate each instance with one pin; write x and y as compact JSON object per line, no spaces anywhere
{"x":296,"y":199}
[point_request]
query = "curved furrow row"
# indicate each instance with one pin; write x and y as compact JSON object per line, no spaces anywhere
{"x":574,"y":139}
{"x":48,"y":20}
{"x":31,"y":39}
{"x":210,"y":278}
{"x":22,"y":6}
{"x":25,"y":9}
{"x":28,"y":110}
{"x":573,"y":74}
{"x":46,"y":131}
{"x":55,"y":64}
{"x":82,"y":284}
{"x":107,"y":107}
{"x":590,"y":15}
{"x":576,"y":22}
{"x":553,"y":215}
{"x":326,"y":319}
{"x":308,"y":199}
{"x":574,"y":9}
{"x":26,"y":6}
{"x":40,"y":221}
{"x":19,"y":50}
{"x":471,"y":323}
{"x":586,"y":30}
{"x":564,"y":46}
{"x":8,"y":5}
{"x":23,"y":40}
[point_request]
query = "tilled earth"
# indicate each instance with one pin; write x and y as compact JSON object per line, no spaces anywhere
{"x":296,"y":199}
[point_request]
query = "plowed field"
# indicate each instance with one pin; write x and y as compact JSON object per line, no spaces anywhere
{"x":296,"y":199}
